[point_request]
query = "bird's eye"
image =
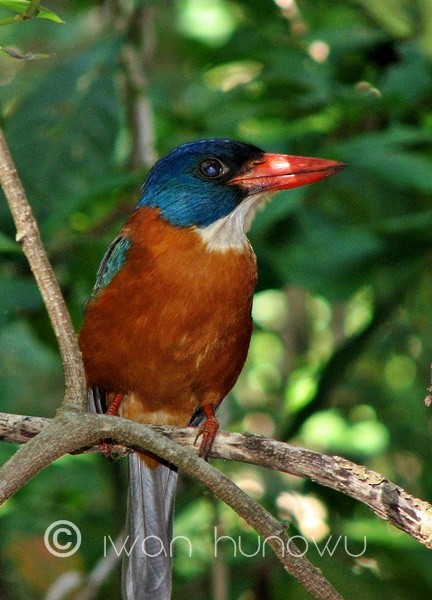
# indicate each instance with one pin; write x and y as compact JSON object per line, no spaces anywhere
{"x":212,"y":168}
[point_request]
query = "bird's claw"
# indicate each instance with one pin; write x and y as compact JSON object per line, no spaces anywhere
{"x":105,"y":446}
{"x":208,"y":432}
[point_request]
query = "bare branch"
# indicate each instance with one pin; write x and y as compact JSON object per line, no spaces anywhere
{"x":18,"y":429}
{"x":70,"y":432}
{"x":62,"y":588}
{"x":58,"y":438}
{"x":28,"y":236}
{"x":137,"y":58}
{"x":100,"y":572}
{"x":384,"y":498}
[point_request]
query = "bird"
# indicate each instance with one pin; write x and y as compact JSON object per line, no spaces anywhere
{"x":167,"y":327}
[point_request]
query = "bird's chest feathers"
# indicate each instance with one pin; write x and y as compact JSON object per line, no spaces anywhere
{"x":176,"y":278}
{"x":176,"y":316}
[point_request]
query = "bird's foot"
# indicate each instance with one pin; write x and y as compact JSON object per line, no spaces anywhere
{"x":114,"y":405}
{"x":208,"y":431}
{"x":105,"y":447}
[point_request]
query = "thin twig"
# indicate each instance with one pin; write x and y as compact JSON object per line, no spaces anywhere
{"x":30,"y":12}
{"x":32,"y":9}
{"x":28,"y":236}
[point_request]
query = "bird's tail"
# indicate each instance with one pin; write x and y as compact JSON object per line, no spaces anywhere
{"x":147,"y":556}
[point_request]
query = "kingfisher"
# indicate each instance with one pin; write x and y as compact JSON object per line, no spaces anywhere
{"x":167,"y":328}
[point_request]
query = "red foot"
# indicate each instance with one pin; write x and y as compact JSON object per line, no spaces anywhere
{"x":208,"y":431}
{"x":115,"y":405}
{"x":104,"y":446}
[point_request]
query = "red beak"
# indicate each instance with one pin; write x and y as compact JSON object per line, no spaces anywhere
{"x":281,"y":172}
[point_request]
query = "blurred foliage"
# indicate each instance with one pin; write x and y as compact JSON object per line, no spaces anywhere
{"x":340,"y":359}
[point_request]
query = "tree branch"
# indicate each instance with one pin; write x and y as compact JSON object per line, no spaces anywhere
{"x":384,"y":498}
{"x":137,"y":58}
{"x":70,"y":432}
{"x":28,"y":236}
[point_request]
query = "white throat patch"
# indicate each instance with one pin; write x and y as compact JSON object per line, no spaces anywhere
{"x":229,"y":233}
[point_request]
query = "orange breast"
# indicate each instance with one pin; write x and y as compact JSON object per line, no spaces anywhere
{"x":172,"y":329}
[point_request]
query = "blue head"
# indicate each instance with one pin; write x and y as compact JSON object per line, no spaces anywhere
{"x":202,"y":182}
{"x":190,"y":185}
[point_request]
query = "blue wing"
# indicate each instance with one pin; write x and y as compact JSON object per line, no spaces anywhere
{"x":112,"y":262}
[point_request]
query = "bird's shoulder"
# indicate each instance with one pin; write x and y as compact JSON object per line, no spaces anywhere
{"x":112,"y":262}
{"x":150,"y":251}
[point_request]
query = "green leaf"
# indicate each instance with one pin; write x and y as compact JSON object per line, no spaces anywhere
{"x":8,"y":245}
{"x":317,"y":253}
{"x":20,"y":6}
{"x":17,"y":295}
{"x":408,"y":82}
{"x":71,"y":120}
{"x":415,"y":227}
{"x":426,"y":21}
{"x":392,"y":158}
{"x":394,"y":15}
{"x":29,"y":371}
